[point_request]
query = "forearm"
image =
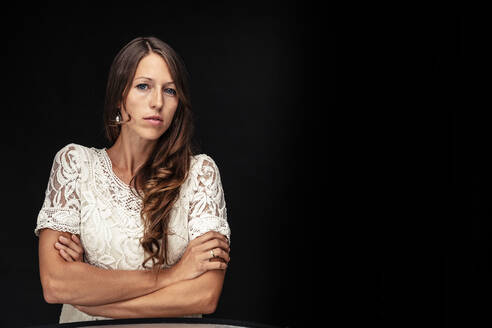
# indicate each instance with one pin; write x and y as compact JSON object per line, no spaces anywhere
{"x":83,"y":284}
{"x":195,"y":296}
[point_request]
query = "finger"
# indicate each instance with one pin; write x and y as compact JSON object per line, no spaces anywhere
{"x":222,"y":254}
{"x":215,"y":265}
{"x":68,"y":251}
{"x":211,"y":235}
{"x":66,"y":256}
{"x":70,"y":244}
{"x":207,"y":255}
{"x":76,"y":240}
{"x":218,"y":253}
{"x":215,"y":253}
{"x":215,"y":243}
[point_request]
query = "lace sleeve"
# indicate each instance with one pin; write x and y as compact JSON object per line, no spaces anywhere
{"x":207,"y":205}
{"x":61,"y":207}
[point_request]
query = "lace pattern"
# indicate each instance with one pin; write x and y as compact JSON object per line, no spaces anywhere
{"x":207,"y":205}
{"x":61,"y":207}
{"x":85,"y":197}
{"x":82,"y":186}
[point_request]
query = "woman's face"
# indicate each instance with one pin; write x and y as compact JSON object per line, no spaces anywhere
{"x":152,"y":93}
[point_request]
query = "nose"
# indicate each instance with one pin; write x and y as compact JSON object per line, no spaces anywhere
{"x":156,"y":99}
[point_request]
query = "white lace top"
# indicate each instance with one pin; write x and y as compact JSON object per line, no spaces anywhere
{"x":84,"y":196}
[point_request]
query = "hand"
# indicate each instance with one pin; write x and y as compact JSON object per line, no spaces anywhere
{"x":198,"y":258}
{"x":71,"y":250}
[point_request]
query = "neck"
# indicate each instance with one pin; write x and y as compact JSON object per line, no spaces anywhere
{"x":129,"y":154}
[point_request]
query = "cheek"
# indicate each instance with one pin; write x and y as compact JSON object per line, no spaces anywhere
{"x":171,"y":109}
{"x":134,"y":102}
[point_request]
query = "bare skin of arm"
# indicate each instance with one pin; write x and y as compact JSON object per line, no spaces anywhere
{"x":83,"y":284}
{"x":199,"y":295}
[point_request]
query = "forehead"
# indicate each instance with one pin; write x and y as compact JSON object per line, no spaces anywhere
{"x":153,"y":66}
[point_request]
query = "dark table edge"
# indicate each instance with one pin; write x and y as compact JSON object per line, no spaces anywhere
{"x":157,"y":320}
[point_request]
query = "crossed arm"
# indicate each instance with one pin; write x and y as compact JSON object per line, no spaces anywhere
{"x":199,"y":295}
{"x":191,"y":286}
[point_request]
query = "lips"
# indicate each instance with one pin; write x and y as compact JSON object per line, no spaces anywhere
{"x":155,"y":117}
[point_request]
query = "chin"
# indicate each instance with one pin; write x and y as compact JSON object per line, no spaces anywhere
{"x":150,"y":136}
{"x":153,"y":137}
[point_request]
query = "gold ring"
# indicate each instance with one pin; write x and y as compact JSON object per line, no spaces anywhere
{"x":212,"y":253}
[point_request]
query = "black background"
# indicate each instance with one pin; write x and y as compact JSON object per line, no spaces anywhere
{"x":252,"y":99}
{"x":417,"y":81}
{"x":357,"y":184}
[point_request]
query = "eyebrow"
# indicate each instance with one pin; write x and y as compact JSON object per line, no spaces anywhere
{"x":148,"y":78}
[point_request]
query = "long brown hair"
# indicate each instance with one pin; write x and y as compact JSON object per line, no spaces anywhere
{"x":167,"y":167}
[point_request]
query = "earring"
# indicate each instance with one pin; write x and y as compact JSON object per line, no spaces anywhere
{"x":118,"y":118}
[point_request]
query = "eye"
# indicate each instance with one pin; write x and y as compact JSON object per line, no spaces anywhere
{"x":142,"y":86}
{"x":170,"y":91}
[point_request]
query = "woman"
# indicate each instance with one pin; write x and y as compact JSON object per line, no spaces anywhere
{"x":148,"y":216}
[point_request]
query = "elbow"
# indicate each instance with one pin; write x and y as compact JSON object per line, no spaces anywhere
{"x":57,"y":286}
{"x":210,"y":303}
{"x":50,"y":298}
{"x":210,"y":308}
{"x":53,"y":290}
{"x":211,"y":295}
{"x":50,"y":293}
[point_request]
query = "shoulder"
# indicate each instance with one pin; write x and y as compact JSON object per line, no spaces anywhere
{"x":72,"y":147}
{"x":73,"y":152}
{"x":199,"y":158}
{"x":204,"y":172}
{"x":68,"y":151}
{"x":203,"y":162}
